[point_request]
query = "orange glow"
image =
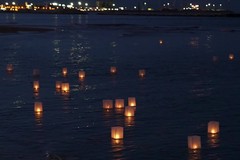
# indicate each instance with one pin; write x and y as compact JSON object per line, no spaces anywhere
{"x":160,"y":41}
{"x":65,"y":87}
{"x":36,"y":86}
{"x":64,"y":72}
{"x":113,"y":70}
{"x":132,"y":101}
{"x":194,"y":142}
{"x":81,"y":74}
{"x":142,"y":73}
{"x":38,"y":108}
{"x":231,"y":57}
{"x":117,"y":132}
{"x":213,"y":127}
{"x":9,"y":68}
{"x":58,"y":85}
{"x":129,"y":111}
{"x":107,"y":104}
{"x":119,"y":103}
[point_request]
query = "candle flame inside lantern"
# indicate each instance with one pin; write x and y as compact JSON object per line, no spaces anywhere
{"x":38,"y":107}
{"x":107,"y":104}
{"x":65,"y":87}
{"x":213,"y":127}
{"x":231,"y":56}
{"x":119,"y":103}
{"x":58,"y":85}
{"x":129,"y":111}
{"x":142,"y":73}
{"x":81,"y":74}
{"x":132,"y":101}
{"x":9,"y":68}
{"x":113,"y":70}
{"x":36,"y":86}
{"x":117,"y":132}
{"x":64,"y":71}
{"x":194,"y":142}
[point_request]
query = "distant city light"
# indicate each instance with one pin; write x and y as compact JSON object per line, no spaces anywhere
{"x":79,"y":3}
{"x":86,"y":4}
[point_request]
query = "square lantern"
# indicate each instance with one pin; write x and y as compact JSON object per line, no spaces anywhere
{"x":58,"y":85}
{"x":119,"y":103}
{"x":65,"y":87}
{"x":129,"y":111}
{"x":142,"y":73}
{"x":194,"y":142}
{"x":38,"y":108}
{"x":107,"y":104}
{"x":36,"y":86}
{"x":9,"y":68}
{"x":81,"y":74}
{"x":113,"y":70}
{"x":231,"y":56}
{"x":132,"y":101}
{"x":117,"y":132}
{"x":213,"y":127}
{"x":64,"y":71}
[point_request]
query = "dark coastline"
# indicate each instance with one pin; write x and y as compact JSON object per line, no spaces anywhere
{"x":17,"y":28}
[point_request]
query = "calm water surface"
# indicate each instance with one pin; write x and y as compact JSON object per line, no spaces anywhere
{"x":189,"y":82}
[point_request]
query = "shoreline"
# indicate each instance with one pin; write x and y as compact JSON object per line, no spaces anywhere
{"x":192,"y":13}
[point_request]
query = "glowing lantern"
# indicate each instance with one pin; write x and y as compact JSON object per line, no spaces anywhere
{"x":119,"y":103}
{"x":36,"y":73}
{"x":9,"y":68}
{"x":58,"y":85}
{"x":213,"y":127}
{"x":160,"y":42}
{"x":65,"y":87}
{"x":36,"y":86}
{"x":231,"y":57}
{"x":142,"y":73}
{"x":107,"y":104}
{"x":113,"y":70}
{"x":81,"y":74}
{"x":132,"y":101}
{"x":129,"y":111}
{"x":64,"y":72}
{"x":38,"y":108}
{"x":117,"y":132}
{"x":194,"y":142}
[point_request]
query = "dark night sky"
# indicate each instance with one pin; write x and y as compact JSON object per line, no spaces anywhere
{"x":229,"y":4}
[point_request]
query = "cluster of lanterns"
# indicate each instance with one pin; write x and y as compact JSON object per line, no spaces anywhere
{"x":117,"y":132}
{"x":194,"y":142}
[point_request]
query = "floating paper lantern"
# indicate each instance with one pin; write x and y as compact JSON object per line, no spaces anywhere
{"x":119,"y":103}
{"x":160,"y":42}
{"x":231,"y":56}
{"x":132,"y":101}
{"x":117,"y":132}
{"x":9,"y":68}
{"x":129,"y":111}
{"x":36,"y":73}
{"x":38,"y":108}
{"x":36,"y":86}
{"x":113,"y":70}
{"x":142,"y":73}
{"x":58,"y":85}
{"x":213,"y":127}
{"x":194,"y":142}
{"x":64,"y":71}
{"x":81,"y":74}
{"x":65,"y":87}
{"x":107,"y":104}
